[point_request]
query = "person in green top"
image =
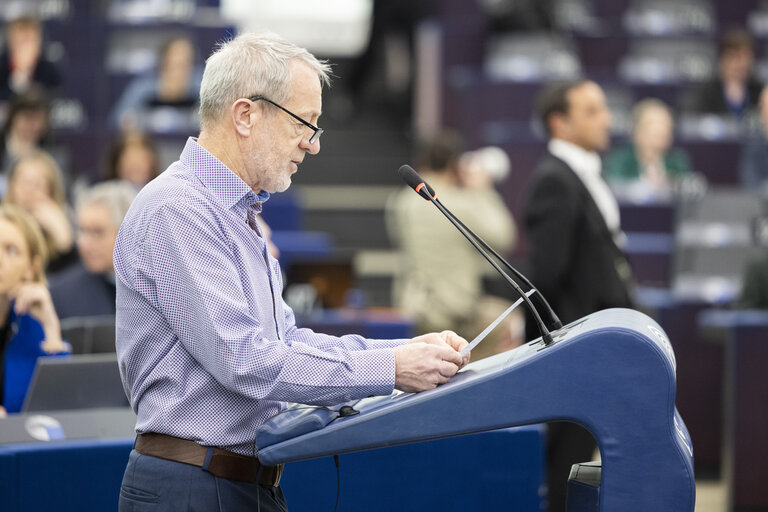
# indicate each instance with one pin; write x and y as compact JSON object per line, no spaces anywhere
{"x":650,"y":158}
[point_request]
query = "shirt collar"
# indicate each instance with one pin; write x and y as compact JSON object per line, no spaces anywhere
{"x":584,"y":163}
{"x":218,"y":178}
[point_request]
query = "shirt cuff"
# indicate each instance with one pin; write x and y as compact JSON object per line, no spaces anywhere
{"x":376,"y":371}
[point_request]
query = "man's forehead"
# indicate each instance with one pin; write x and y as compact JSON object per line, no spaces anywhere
{"x":305,"y":85}
{"x":585,"y":92}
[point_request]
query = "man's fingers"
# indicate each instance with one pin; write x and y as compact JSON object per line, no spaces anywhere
{"x":447,"y":369}
{"x":454,"y":340}
{"x":450,"y":355}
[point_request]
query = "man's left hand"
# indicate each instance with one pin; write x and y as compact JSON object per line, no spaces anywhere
{"x":449,"y":338}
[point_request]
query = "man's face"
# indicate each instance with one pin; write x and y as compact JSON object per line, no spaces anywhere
{"x":736,"y":64}
{"x":24,"y":42}
{"x":588,"y":120}
{"x":279,"y":143}
{"x":96,"y":237}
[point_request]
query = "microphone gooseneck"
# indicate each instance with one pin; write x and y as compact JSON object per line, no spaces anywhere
{"x":553,"y":322}
{"x":412,"y":179}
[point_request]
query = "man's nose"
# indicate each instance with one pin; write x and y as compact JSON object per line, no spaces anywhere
{"x":311,"y":148}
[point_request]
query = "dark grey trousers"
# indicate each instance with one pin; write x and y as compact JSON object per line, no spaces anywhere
{"x":152,"y":484}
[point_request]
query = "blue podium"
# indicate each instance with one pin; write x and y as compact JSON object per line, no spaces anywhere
{"x":612,"y":372}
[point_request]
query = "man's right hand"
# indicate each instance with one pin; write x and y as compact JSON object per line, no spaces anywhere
{"x":419,"y":366}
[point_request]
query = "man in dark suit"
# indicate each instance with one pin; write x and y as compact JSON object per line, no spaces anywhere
{"x":88,"y":289}
{"x":572,"y":222}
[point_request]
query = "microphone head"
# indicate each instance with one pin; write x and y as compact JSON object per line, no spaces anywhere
{"x":409,"y":176}
{"x":413,"y":180}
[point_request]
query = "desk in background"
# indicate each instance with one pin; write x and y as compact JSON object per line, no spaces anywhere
{"x":744,"y":336}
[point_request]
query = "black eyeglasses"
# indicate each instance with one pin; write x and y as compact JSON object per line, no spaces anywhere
{"x":318,"y":131}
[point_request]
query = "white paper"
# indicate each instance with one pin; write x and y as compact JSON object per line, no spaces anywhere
{"x":480,"y":337}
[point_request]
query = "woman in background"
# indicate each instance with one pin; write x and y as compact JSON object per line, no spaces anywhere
{"x":36,"y":185}
{"x":175,"y":84}
{"x":650,"y":162}
{"x":29,"y":327}
{"x":133,"y":158}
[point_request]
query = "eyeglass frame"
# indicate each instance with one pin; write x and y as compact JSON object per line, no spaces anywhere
{"x":317,"y":130}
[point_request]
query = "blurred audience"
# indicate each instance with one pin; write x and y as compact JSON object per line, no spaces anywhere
{"x":133,"y":158}
{"x":29,"y":327}
{"x":440,"y":283}
{"x":649,"y":165}
{"x":26,"y":128}
{"x":175,"y":84}
{"x":753,"y":164}
{"x":36,"y":185}
{"x":88,"y":288}
{"x":735,"y":90}
{"x":573,"y":226}
{"x":23,"y":64}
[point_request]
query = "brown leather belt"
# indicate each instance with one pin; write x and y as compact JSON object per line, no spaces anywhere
{"x":221,"y":463}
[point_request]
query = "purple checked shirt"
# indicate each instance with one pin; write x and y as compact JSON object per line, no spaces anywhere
{"x":207,"y":348}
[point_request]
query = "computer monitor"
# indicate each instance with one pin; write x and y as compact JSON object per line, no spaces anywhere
{"x":84,"y":381}
{"x":89,"y":334}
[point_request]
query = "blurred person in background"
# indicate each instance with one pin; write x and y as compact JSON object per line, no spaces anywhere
{"x":753,"y":164}
{"x":573,"y":226}
{"x":133,"y":157}
{"x":22,"y":64}
{"x":29,"y":327}
{"x":26,"y":128}
{"x":174,"y":84}
{"x":735,"y":90}
{"x":650,"y":165}
{"x":440,"y":280}
{"x":88,"y":288}
{"x":36,"y":185}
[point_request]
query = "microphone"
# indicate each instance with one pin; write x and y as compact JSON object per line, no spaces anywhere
{"x":553,"y":322}
{"x":412,"y":178}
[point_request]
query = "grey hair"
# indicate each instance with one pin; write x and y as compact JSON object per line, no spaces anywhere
{"x":248,"y":65}
{"x":116,"y":196}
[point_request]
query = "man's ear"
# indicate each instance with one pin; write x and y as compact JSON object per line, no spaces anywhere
{"x":558,"y":123}
{"x":244,"y":115}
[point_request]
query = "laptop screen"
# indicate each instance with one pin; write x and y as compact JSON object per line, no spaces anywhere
{"x":84,"y":381}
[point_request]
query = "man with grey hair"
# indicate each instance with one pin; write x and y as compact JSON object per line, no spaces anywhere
{"x":207,"y":348}
{"x":88,"y":289}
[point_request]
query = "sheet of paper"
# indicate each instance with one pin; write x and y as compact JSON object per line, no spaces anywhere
{"x":480,"y":337}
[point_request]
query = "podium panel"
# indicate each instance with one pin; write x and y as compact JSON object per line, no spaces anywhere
{"x":476,"y":472}
{"x":612,"y":372}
